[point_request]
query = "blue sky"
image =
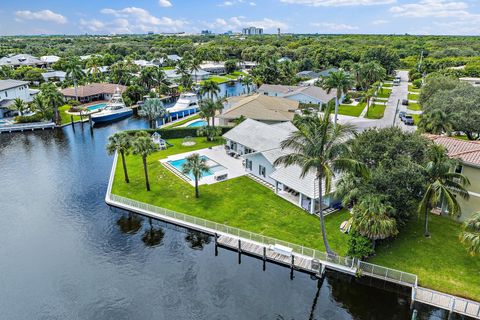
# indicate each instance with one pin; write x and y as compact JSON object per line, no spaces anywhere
{"x":191,"y":16}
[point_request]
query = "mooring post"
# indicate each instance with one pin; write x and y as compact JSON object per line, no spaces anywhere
{"x":71,"y":120}
{"x":239,"y":251}
{"x":264,"y":257}
{"x":291,"y":267}
{"x":216,"y":244}
{"x":414,"y":314}
{"x":90,"y":120}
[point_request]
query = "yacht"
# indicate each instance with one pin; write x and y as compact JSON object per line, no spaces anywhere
{"x":186,"y":104}
{"x":114,"y":110}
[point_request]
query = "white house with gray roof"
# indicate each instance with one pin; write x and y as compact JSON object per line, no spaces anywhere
{"x":303,"y":94}
{"x":10,"y":90}
{"x":19,"y":60}
{"x":259,"y":144}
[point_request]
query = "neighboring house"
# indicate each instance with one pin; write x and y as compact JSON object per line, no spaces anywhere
{"x":102,"y":69}
{"x":10,"y":90}
{"x":19,"y":60}
{"x":259,"y":145}
{"x":174,"y":57}
{"x":49,"y":60}
{"x":258,"y":107}
{"x":199,"y":75}
{"x":213,"y":67}
{"x":92,"y":92}
{"x":54,"y":76}
{"x":327,"y":72}
{"x":303,"y":94}
{"x":473,"y":81}
{"x":144,"y":63}
{"x":247,"y":65}
{"x":468,"y":154}
{"x":308,"y":74}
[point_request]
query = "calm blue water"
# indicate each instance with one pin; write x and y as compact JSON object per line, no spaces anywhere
{"x":96,"y":106}
{"x":65,"y":255}
{"x":199,"y":123}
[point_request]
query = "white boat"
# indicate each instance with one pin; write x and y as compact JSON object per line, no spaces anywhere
{"x":114,"y":110}
{"x":186,"y":104}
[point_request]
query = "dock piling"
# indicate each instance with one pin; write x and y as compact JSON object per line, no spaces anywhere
{"x":216,"y":244}
{"x":239,"y":251}
{"x":292,"y":266}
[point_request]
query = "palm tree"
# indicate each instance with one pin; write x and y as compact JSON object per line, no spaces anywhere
{"x":207,"y":109}
{"x":342,"y":82}
{"x":371,"y":219}
{"x":436,"y":122}
{"x":19,"y":105}
{"x":147,"y":77}
{"x":53,"y":98}
{"x":74,"y":72}
{"x":93,"y":67}
{"x":143,"y":145}
{"x":196,"y":165}
{"x":153,"y":109}
{"x":160,"y":79}
{"x":369,"y":94}
{"x":247,"y":82}
{"x":442,"y":185}
{"x":209,"y":87}
{"x":471,"y":234}
{"x":320,"y":147}
{"x":195,"y":66}
{"x":120,"y":142}
{"x":42,"y":107}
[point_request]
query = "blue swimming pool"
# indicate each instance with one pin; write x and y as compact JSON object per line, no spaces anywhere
{"x":96,"y":106}
{"x":213,"y":166}
{"x":198,"y":123}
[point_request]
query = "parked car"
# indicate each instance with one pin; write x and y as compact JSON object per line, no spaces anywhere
{"x":402,"y":114}
{"x":408,"y":120}
{"x":405,"y":102}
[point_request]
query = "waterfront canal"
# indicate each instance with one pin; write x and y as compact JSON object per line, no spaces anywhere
{"x":65,"y":255}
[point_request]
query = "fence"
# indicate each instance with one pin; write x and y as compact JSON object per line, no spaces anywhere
{"x":448,"y":302}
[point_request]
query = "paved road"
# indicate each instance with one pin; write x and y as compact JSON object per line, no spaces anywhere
{"x":398,"y":93}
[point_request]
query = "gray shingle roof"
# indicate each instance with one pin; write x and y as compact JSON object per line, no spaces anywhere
{"x":9,"y":84}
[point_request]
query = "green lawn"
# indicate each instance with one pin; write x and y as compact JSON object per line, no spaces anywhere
{"x":440,"y":262}
{"x":412,"y":89}
{"x":181,"y":122}
{"x":375,"y":111}
{"x":353,"y":111}
{"x":387,"y":84}
{"x":416,"y":118}
{"x":229,"y":202}
{"x":413,"y":96}
{"x":168,"y":68}
{"x":384,"y":93}
{"x":414,"y":106}
{"x":217,"y":79}
{"x":65,"y":117}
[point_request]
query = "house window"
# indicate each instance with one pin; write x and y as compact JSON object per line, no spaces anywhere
{"x":261,"y":171}
{"x":459,"y":169}
{"x":248,"y":164}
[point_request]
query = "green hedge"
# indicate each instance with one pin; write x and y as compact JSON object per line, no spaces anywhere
{"x":27,"y":119}
{"x":177,"y":132}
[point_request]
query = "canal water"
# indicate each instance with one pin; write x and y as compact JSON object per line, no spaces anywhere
{"x":65,"y":255}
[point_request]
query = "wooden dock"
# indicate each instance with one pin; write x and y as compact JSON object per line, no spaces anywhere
{"x":27,"y":127}
{"x":448,"y":302}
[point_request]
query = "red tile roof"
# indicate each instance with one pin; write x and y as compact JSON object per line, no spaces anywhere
{"x":464,"y":150}
{"x":92,"y":89}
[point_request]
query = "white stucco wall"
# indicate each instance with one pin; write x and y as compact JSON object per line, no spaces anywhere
{"x":258,"y":159}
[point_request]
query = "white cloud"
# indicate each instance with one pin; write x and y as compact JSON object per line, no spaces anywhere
{"x":379,"y":22}
{"x":44,"y":15}
{"x":164,"y":3}
{"x":133,"y":19}
{"x":240,"y":22}
{"x":432,"y":8}
{"x":93,"y":25}
{"x":338,"y":3}
{"x":252,"y":3}
{"x":334,"y":26}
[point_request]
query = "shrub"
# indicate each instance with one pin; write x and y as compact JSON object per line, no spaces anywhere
{"x":347,"y":99}
{"x":359,"y":246}
{"x":26,"y":119}
{"x":178,"y":132}
{"x":73,"y":103}
{"x":417,"y":83}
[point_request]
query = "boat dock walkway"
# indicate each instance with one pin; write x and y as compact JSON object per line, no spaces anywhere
{"x":27,"y":127}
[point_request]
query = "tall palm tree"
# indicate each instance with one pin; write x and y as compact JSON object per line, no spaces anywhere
{"x":160,"y":80}
{"x":153,"y":109}
{"x":436,"y":122}
{"x":197,"y":166}
{"x":19,"y":105}
{"x":470,"y":235}
{"x":321,"y":147}
{"x":121,"y":143}
{"x":209,"y":87}
{"x":41,"y":107}
{"x":93,"y":67}
{"x":247,"y":81}
{"x":371,"y":219}
{"x":207,"y":109}
{"x":74,"y":72}
{"x":342,"y":82}
{"x":143,"y":146}
{"x":147,"y":77}
{"x":195,"y":66}
{"x":442,"y":185}
{"x":53,"y":98}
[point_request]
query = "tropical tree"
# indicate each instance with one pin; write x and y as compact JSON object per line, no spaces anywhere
{"x":19,"y":105}
{"x":371,"y":219}
{"x":207,"y":109}
{"x":93,"y":67}
{"x":340,"y":81}
{"x":74,"y":72}
{"x":197,"y":166}
{"x":160,"y":80}
{"x":209,"y":87}
{"x":442,"y":185}
{"x":195,"y":66}
{"x":436,"y":122}
{"x":143,"y":146}
{"x":153,"y":109}
{"x":41,"y":107}
{"x":320,"y":147}
{"x":470,"y":235}
{"x":120,"y":142}
{"x":147,"y":77}
{"x":247,"y":81}
{"x":53,"y":98}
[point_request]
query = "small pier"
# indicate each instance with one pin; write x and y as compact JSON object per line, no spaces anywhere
{"x":27,"y":127}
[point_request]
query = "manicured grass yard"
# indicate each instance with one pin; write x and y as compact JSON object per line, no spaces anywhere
{"x":65,"y":117}
{"x":414,"y":106}
{"x":353,"y":111}
{"x":384,"y":93}
{"x":413,"y":96}
{"x":441,"y":262}
{"x":412,"y":89}
{"x":239,"y":202}
{"x":387,"y":84}
{"x":375,"y":111}
{"x":416,"y":118}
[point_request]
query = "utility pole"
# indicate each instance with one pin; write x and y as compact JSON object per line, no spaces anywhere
{"x":396,"y":112}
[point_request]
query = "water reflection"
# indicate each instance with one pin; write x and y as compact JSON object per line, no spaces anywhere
{"x":130,"y":223}
{"x":197,"y":240}
{"x":152,"y":236}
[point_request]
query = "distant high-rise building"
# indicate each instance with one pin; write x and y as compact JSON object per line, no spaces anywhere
{"x":251,"y":31}
{"x":205,"y":32}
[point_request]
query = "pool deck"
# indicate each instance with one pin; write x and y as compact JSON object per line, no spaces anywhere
{"x":196,"y":120}
{"x":234,"y":167}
